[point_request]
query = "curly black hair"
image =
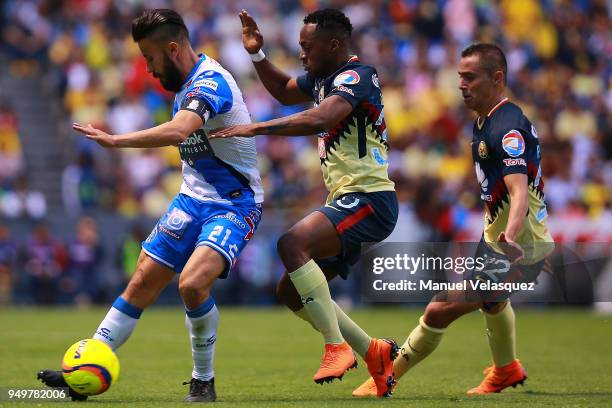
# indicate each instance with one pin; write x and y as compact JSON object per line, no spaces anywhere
{"x":330,"y":20}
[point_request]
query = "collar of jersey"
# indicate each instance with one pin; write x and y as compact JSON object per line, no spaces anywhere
{"x":194,"y":69}
{"x":493,"y":109}
{"x":353,"y":58}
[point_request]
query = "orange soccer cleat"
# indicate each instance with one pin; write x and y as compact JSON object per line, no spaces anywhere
{"x":367,"y":389}
{"x":338,"y":359}
{"x":500,"y":378}
{"x":379,"y":360}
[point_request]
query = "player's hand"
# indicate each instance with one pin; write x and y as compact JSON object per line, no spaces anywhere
{"x":97,"y":135}
{"x":233,"y":131}
{"x":513,"y":251}
{"x":251,"y":37}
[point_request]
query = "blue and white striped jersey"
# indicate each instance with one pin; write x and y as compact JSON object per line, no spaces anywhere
{"x":223,"y":170}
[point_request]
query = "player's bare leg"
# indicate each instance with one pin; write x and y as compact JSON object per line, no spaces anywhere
{"x":315,"y":237}
{"x":202,"y":319}
{"x":143,"y":289}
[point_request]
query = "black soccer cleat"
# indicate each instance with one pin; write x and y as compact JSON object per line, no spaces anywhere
{"x":55,"y":379}
{"x":201,"y":391}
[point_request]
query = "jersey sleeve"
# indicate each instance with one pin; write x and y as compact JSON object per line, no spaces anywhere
{"x":306,"y":83}
{"x":354,"y":85}
{"x":211,"y":90}
{"x":510,"y":146}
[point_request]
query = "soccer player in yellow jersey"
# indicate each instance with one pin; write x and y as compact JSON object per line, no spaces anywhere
{"x":515,"y":242}
{"x":361,"y":206}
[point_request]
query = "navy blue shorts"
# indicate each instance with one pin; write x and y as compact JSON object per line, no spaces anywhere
{"x":189,"y":223}
{"x":498,"y":269}
{"x":359,"y":218}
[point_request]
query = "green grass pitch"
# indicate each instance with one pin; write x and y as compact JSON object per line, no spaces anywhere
{"x":266,"y":358}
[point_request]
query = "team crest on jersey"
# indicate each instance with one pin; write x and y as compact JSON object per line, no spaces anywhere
{"x":349,"y":77}
{"x":483,"y":152}
{"x":513,"y":143}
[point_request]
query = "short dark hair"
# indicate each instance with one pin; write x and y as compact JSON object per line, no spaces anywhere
{"x":492,"y":58}
{"x":330,"y":20}
{"x":162,"y":24}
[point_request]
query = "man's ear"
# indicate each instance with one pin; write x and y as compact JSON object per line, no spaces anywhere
{"x":334,"y":44}
{"x":498,"y":78}
{"x":173,"y":49}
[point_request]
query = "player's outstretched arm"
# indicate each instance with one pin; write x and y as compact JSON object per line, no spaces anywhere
{"x":517,"y":188}
{"x":320,"y":119}
{"x":170,"y":133}
{"x":280,"y":85}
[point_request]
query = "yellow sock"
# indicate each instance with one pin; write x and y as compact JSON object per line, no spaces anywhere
{"x":358,"y":339}
{"x":303,"y":314}
{"x":310,"y":283}
{"x":419,"y":344}
{"x":501,"y":335}
{"x":354,"y":335}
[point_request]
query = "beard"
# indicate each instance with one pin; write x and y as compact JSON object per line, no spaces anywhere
{"x":171,"y":79}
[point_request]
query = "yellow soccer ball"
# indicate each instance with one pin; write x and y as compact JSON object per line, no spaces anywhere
{"x":90,"y":367}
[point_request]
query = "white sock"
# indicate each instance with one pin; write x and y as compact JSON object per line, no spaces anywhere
{"x":202,"y":323}
{"x":118,"y":324}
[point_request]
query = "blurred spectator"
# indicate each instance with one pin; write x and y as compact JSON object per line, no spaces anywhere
{"x":557,"y":54}
{"x":23,"y":202}
{"x":559,"y":74}
{"x":7,"y":265}
{"x":84,"y":258}
{"x":129,"y":250}
{"x":45,"y":261}
{"x":11,"y":156}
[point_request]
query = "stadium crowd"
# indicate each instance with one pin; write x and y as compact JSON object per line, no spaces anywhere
{"x":559,"y":73}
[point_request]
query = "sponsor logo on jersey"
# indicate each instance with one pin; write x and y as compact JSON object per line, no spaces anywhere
{"x":378,"y":156}
{"x":206,"y":83}
{"x":174,"y":223}
{"x":349,"y":77}
{"x":483,"y":152}
{"x":541,"y":214}
{"x":375,"y":80}
{"x":343,"y":88}
{"x":513,"y":143}
{"x":194,"y":139}
{"x":515,"y":162}
{"x":482,"y":179}
{"x":533,"y":131}
{"x":233,"y":218}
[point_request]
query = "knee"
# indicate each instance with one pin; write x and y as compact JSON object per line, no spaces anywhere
{"x":287,"y":295}
{"x":288,"y":244}
{"x":193,"y":291}
{"x":439,"y":314}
